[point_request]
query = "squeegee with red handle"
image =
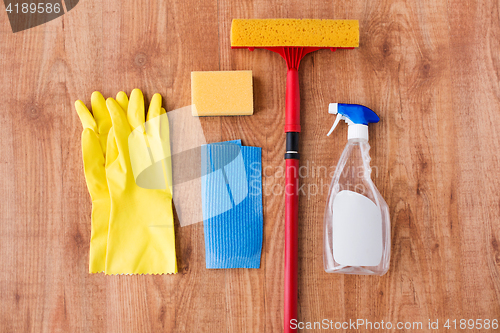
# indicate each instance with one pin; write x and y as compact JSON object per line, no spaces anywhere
{"x":293,"y":39}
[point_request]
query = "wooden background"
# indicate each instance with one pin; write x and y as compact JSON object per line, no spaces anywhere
{"x":429,"y":68}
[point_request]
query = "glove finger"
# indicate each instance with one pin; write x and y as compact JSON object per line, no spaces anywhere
{"x":165,"y":137}
{"x":135,"y":111}
{"x":164,"y":119}
{"x":163,"y":126}
{"x":154,"y":120}
{"x":158,"y":136}
{"x":122,"y":99}
{"x":112,"y":148}
{"x":154,"y":107}
{"x":85,"y":116}
{"x":101,"y":113}
{"x":93,"y":165}
{"x":121,"y":127}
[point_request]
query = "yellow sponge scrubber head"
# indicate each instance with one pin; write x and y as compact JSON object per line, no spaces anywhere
{"x":294,"y":32}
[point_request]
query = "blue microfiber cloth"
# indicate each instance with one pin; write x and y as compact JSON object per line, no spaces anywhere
{"x":232,"y":204}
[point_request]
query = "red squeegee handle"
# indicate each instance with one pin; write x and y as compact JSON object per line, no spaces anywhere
{"x":291,"y":243}
{"x":292,"y":56}
{"x":292,"y":129}
{"x":292,"y":117}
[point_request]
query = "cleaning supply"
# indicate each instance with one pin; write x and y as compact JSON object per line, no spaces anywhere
{"x":141,"y":225}
{"x":232,"y":205}
{"x":357,"y":230}
{"x":293,"y":39}
{"x":294,"y":32}
{"x":222,"y":93}
{"x":94,"y":139}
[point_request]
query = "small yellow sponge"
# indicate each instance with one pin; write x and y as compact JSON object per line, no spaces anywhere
{"x":223,"y":93}
{"x":294,"y":32}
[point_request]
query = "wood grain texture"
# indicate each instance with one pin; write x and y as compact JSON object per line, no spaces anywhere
{"x":430,"y":69}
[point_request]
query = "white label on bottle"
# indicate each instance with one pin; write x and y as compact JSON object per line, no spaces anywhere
{"x":357,"y":230}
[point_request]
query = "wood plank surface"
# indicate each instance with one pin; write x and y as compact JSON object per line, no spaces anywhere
{"x":430,"y":69}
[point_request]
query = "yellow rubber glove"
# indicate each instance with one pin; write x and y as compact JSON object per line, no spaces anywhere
{"x":94,"y":140}
{"x":141,"y":228}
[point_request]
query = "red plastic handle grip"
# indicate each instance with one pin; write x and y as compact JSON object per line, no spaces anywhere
{"x":292,"y":122}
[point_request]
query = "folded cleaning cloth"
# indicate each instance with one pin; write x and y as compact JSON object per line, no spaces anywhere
{"x":128,"y":174}
{"x":232,"y":205}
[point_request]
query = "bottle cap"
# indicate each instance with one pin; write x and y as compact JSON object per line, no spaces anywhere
{"x":356,"y":116}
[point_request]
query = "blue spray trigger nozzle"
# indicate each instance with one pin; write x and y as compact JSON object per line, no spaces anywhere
{"x":356,"y":113}
{"x":352,"y":114}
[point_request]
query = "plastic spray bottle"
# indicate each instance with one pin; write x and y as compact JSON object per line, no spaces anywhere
{"x":357,"y":235}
